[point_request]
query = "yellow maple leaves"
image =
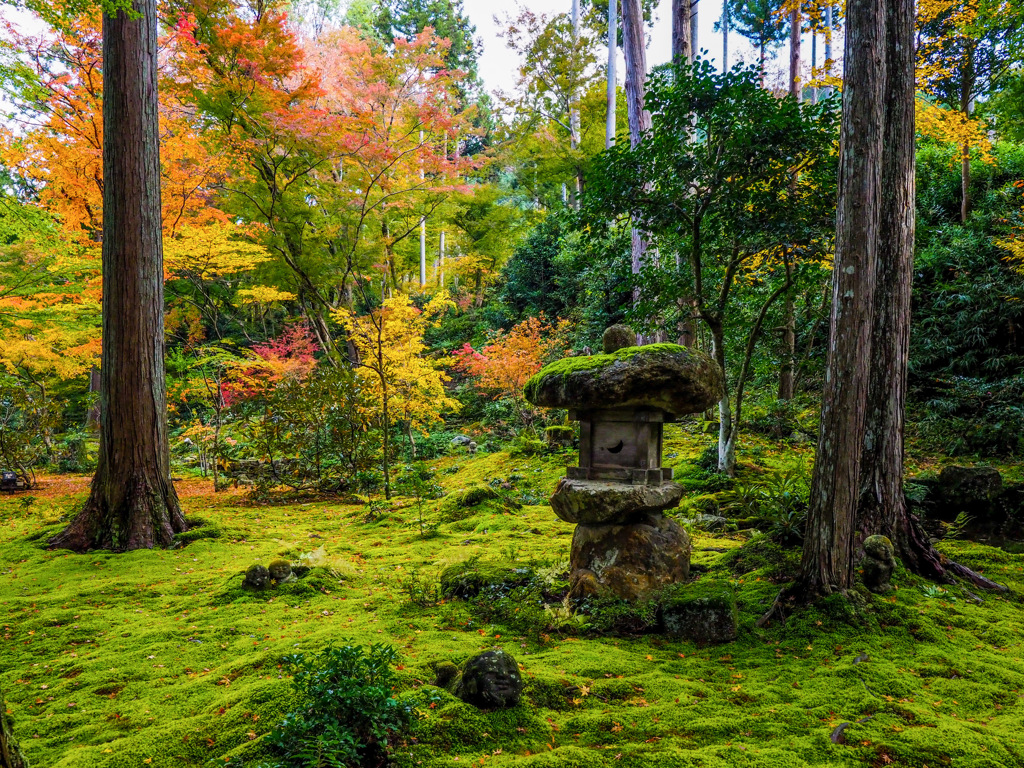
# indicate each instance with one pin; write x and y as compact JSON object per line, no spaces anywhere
{"x":405,"y":384}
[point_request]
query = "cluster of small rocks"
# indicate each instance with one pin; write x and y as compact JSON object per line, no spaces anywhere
{"x":260,"y":576}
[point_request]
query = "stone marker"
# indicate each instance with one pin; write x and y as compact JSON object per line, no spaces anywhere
{"x":878,"y":563}
{"x":489,"y":680}
{"x":624,"y":546}
{"x":257,"y":576}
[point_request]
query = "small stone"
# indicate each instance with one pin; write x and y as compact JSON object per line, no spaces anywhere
{"x":878,"y":563}
{"x":257,"y":576}
{"x":617,"y":337}
{"x":448,"y":676}
{"x":595,"y":502}
{"x":702,"y":612}
{"x":490,"y":680}
{"x":631,"y":561}
{"x":460,"y":440}
{"x":280,"y":570}
{"x":471,"y":448}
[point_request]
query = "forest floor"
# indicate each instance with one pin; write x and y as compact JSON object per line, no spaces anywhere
{"x":163,"y":659}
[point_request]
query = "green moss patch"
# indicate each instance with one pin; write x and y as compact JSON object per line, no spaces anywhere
{"x":112,"y":660}
{"x":568,"y":365}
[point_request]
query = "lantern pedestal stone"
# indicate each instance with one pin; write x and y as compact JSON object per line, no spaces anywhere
{"x":624,"y":545}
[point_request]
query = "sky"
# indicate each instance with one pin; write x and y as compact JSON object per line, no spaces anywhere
{"x":498,"y":65}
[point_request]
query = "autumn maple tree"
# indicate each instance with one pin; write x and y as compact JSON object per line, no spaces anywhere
{"x":405,"y":386}
{"x":504,"y":365}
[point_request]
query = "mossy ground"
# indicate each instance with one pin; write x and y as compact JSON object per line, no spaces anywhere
{"x":161,"y":658}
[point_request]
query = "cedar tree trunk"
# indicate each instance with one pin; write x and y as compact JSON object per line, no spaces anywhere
{"x":132,"y":504}
{"x":634,"y":49}
{"x":827,"y":563}
{"x":682,"y":52}
{"x":882,"y":508}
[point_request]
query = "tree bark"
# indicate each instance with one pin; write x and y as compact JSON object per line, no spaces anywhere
{"x":132,"y":503}
{"x":10,"y":755}
{"x":725,"y":35}
{"x":794,"y":51}
{"x":827,"y":563}
{"x":639,"y":119}
{"x":682,"y":51}
{"x":882,"y":508}
{"x":613,"y":35}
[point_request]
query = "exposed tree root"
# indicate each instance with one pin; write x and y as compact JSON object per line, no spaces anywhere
{"x":137,"y":514}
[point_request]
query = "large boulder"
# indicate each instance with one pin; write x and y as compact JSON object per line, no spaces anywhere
{"x":631,"y":561}
{"x":969,"y":489}
{"x":594,"y":502}
{"x":669,"y":377}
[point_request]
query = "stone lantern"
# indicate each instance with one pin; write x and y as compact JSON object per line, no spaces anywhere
{"x":623,"y":544}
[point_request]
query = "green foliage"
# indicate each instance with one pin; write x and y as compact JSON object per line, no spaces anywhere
{"x":347,"y":714}
{"x":28,"y":422}
{"x":779,"y":501}
{"x":966,"y":351}
{"x":309,"y":433}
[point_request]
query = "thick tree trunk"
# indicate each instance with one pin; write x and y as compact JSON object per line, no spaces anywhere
{"x":639,"y":119}
{"x":132,"y":503}
{"x":827,"y":563}
{"x":682,"y":52}
{"x":882,"y":508}
{"x":10,"y":755}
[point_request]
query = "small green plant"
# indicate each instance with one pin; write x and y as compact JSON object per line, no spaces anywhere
{"x":936,"y":592}
{"x":347,"y":715}
{"x":421,"y":590}
{"x":780,"y":502}
{"x":26,"y":502}
{"x":958,"y":527}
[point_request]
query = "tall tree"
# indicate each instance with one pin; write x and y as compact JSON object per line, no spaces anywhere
{"x":635,"y":49}
{"x":761,"y":22}
{"x":788,"y":362}
{"x":132,"y":503}
{"x":882,"y":507}
{"x":827,"y":563}
{"x":965,"y":50}
{"x":405,"y":19}
{"x":682,"y":43}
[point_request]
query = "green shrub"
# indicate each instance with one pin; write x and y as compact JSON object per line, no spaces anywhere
{"x":347,"y":715}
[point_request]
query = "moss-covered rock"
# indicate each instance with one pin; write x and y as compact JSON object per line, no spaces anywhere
{"x":469,"y":579}
{"x":596,"y":502}
{"x":670,"y":377}
{"x":630,"y":561}
{"x":491,"y":680}
{"x":460,"y":504}
{"x":257,"y":576}
{"x":703,"y":612}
